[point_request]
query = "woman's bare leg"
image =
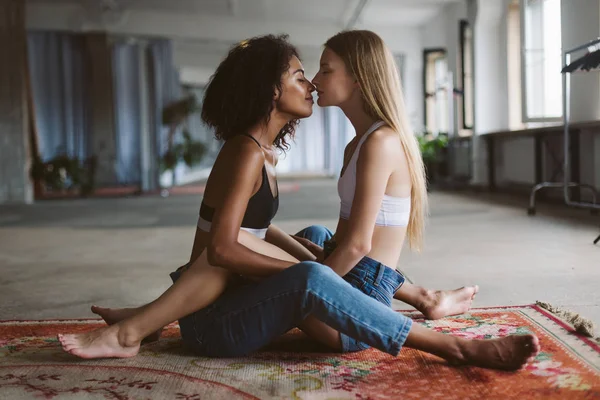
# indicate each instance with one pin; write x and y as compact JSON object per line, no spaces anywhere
{"x":507,"y":353}
{"x":435,"y":304}
{"x":201,"y":286}
{"x":322,"y":333}
{"x":197,"y":287}
{"x":113,"y":315}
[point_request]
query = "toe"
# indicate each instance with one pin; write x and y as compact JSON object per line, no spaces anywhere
{"x":67,"y":339}
{"x":534,"y":342}
{"x":70,"y":347}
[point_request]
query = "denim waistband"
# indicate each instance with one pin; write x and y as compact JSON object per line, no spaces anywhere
{"x":368,"y":270}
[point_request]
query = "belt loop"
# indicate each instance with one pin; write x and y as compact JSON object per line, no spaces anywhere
{"x":381,"y":268}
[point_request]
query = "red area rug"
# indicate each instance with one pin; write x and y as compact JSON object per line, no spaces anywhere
{"x":33,"y":366}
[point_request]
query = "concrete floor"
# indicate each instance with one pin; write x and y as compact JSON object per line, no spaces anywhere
{"x":58,"y":257}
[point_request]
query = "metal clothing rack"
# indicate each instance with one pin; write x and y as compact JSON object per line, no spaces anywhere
{"x":590,"y":61}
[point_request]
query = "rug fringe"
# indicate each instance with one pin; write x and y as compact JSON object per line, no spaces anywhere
{"x":582,"y":325}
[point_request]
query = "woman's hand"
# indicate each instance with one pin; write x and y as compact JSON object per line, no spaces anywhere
{"x":315,"y":249}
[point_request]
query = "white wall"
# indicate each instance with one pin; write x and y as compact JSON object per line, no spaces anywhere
{"x":491,"y":88}
{"x":515,"y":157}
{"x":580,"y":24}
{"x":407,"y":41}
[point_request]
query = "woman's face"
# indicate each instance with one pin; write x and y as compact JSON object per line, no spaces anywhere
{"x":296,"y":99}
{"x":335,"y":84}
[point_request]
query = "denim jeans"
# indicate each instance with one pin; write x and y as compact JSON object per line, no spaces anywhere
{"x":249,"y":315}
{"x":369,"y":276}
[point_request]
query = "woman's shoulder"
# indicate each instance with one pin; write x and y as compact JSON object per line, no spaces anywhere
{"x":239,"y":153}
{"x":241,"y":146}
{"x":383,"y":139}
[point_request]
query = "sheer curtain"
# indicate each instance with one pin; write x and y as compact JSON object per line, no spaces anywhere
{"x":126,"y":64}
{"x":154,"y":60}
{"x":57,"y":78}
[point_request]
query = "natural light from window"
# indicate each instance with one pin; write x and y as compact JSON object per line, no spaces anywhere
{"x":542,"y":50}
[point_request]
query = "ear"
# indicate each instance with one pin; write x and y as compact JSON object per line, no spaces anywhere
{"x":276,"y":94}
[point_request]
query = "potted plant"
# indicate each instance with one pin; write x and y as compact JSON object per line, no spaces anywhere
{"x":189,"y":151}
{"x":64,"y":174}
{"x":433,"y":151}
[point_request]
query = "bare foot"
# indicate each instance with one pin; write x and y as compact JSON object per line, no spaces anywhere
{"x":113,"y":315}
{"x":442,"y":303}
{"x":509,"y":353}
{"x":105,"y":342}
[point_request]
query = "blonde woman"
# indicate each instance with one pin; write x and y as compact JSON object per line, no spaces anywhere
{"x":382,"y":184}
{"x":249,"y":314}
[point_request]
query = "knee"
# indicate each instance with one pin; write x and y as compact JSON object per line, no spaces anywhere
{"x":312,"y":273}
{"x":317,"y":234}
{"x":320,"y":230}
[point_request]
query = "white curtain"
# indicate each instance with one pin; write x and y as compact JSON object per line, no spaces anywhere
{"x":58,"y":79}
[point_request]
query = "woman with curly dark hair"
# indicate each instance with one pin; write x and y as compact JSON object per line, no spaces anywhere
{"x":253,"y":102}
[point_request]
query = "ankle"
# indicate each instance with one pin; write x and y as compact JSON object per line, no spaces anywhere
{"x":127,"y":335}
{"x":459,"y":351}
{"x":425,"y":300}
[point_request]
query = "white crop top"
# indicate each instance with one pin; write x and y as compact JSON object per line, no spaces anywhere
{"x":394,"y":211}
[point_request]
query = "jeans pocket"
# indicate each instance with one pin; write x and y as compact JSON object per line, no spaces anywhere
{"x":356,"y":278}
{"x":387,"y":282}
{"x":382,"y":295}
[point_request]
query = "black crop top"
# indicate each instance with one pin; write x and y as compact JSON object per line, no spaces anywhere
{"x":261,"y":209}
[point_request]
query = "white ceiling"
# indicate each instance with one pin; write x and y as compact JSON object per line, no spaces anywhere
{"x":375,"y":12}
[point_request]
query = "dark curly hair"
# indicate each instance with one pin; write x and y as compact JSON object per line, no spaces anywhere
{"x":240,"y":93}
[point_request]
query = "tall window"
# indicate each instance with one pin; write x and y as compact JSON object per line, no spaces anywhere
{"x":466,"y":74}
{"x":435,"y":81}
{"x":400,"y":58}
{"x":513,"y":63}
{"x":541,"y":44}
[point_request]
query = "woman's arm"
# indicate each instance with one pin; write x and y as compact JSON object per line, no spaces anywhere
{"x":242,"y":167}
{"x":374,"y":167}
{"x":279,"y":238}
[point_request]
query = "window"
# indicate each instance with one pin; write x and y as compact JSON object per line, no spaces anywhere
{"x":540,"y":70}
{"x":435,"y":82}
{"x":513,"y":61}
{"x":399,"y":58}
{"x":466,"y":74}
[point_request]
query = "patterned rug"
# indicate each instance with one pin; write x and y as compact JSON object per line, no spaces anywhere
{"x":33,"y":366}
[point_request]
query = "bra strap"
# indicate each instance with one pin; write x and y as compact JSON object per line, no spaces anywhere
{"x":252,"y":137}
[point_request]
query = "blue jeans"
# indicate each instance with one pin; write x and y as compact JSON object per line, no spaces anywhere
{"x":369,"y":276}
{"x":250,"y":315}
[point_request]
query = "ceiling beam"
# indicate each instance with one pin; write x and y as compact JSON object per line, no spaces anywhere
{"x":354,"y":17}
{"x":234,"y":7}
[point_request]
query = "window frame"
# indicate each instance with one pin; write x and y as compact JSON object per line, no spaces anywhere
{"x":463,"y":25}
{"x":426,"y":52}
{"x":525,"y":118}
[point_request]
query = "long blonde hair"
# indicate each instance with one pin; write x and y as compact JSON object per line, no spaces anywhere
{"x":371,"y":62}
